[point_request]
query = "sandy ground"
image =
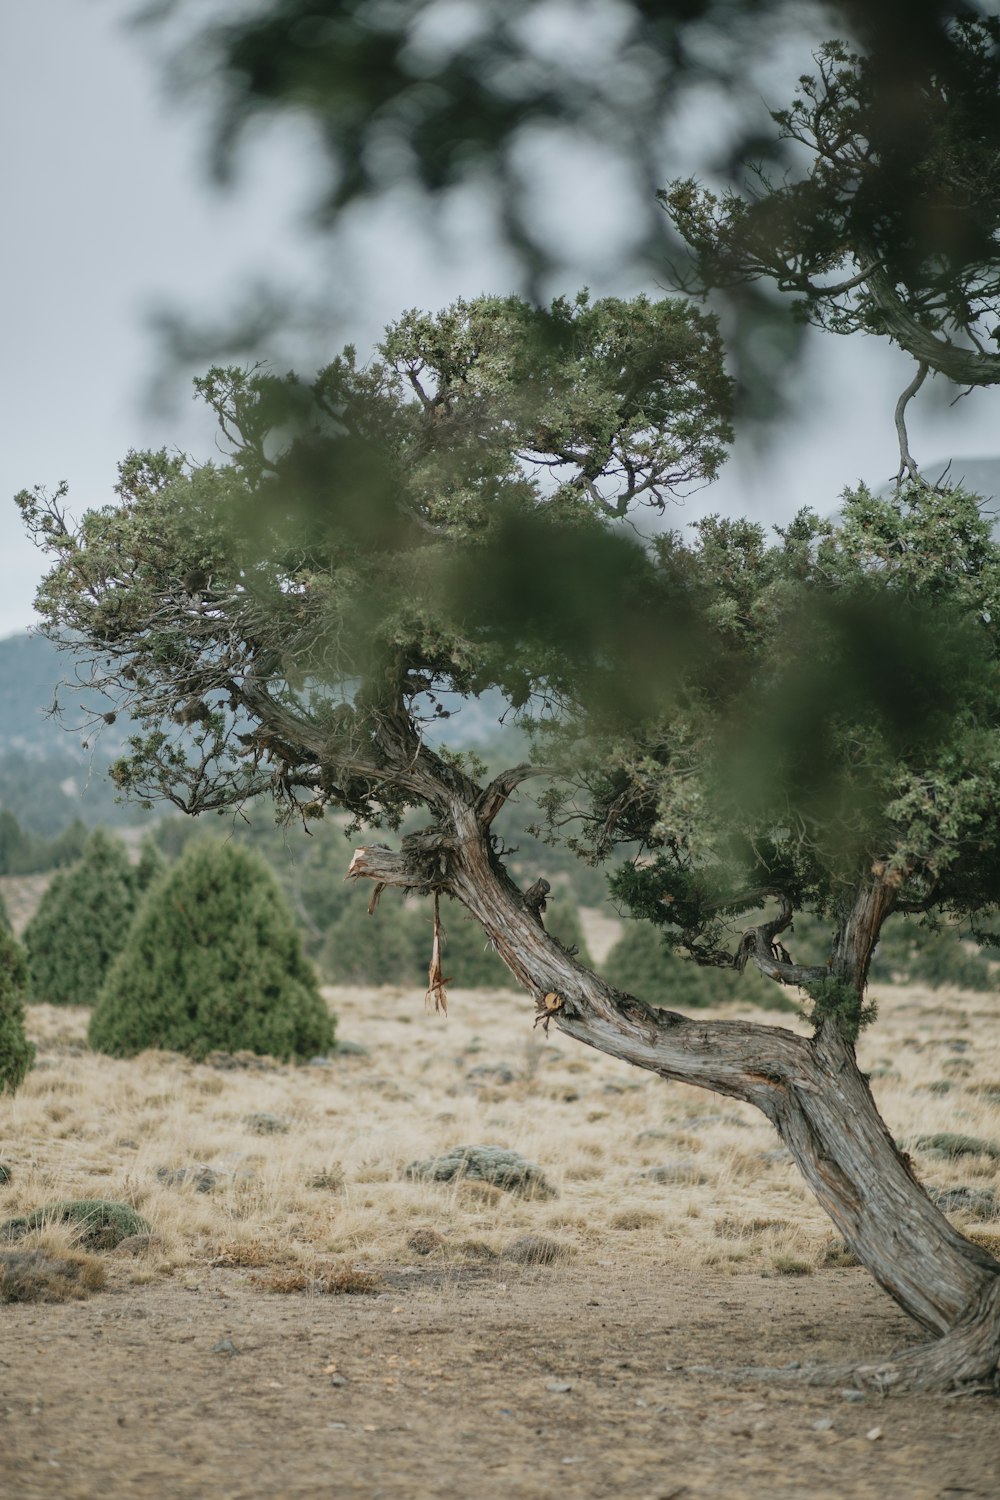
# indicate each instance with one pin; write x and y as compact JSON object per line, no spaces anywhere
{"x":528,"y":1383}
{"x":469,"y":1373}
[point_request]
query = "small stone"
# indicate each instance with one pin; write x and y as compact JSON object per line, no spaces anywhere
{"x":338,"y":1379}
{"x":203,"y":1179}
{"x":264,"y":1124}
{"x":225,"y":1346}
{"x":319,"y":1062}
{"x":873,"y":1434}
{"x":852,"y":1395}
{"x":558,"y":1387}
{"x":823,"y":1424}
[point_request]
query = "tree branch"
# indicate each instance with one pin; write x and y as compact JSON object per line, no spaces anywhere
{"x":758,"y":943}
{"x":907,"y":467}
{"x":493,"y":798}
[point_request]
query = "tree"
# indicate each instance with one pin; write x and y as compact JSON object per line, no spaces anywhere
{"x":213,"y":960}
{"x":81,"y":923}
{"x":17,"y":1054}
{"x":807,"y":725}
{"x":892,"y":229}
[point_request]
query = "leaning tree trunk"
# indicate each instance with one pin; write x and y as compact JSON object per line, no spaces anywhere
{"x":811,"y":1090}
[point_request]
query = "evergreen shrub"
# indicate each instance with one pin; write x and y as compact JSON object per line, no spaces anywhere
{"x":213,"y":962}
{"x":16,"y":1053}
{"x":81,"y":923}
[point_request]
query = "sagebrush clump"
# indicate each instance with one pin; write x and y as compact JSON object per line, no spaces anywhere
{"x":213,"y":962}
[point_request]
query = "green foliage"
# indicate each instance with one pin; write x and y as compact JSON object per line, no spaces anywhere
{"x":16,"y":1053}
{"x":892,"y":228}
{"x":489,"y":439}
{"x":643,"y":964}
{"x":100,"y":1224}
{"x":81,"y":923}
{"x":213,"y":961}
{"x":838,"y":1002}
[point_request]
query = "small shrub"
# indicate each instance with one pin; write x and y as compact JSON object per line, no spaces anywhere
{"x":490,"y":1164}
{"x":283,"y":1282}
{"x":791,"y":1265}
{"x":346,"y":1281}
{"x":946,"y":1144}
{"x":329,"y":1180}
{"x":535,"y":1250}
{"x":213,"y":962}
{"x":16,"y":1053}
{"x":243,"y":1253}
{"x":81,"y":924}
{"x":425,"y":1241}
{"x":99,"y":1224}
{"x":43,"y":1276}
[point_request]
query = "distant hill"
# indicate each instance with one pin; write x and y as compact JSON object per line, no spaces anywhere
{"x":49,"y":775}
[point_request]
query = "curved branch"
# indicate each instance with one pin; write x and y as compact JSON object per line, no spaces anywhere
{"x":758,"y":943}
{"x":500,"y":788}
{"x":907,"y":467}
{"x":963,"y":366}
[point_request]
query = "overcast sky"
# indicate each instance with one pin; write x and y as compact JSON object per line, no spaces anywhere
{"x":110,"y":219}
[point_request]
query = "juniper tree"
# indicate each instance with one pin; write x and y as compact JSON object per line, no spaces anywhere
{"x":809,"y":724}
{"x":213,"y":961}
{"x":81,"y":923}
{"x":16,"y":1053}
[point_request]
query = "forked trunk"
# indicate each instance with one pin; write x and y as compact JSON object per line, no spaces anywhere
{"x":809,"y":1088}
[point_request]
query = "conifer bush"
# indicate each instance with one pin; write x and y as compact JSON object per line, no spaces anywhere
{"x":213,"y":962}
{"x":81,"y":923}
{"x":16,"y":1053}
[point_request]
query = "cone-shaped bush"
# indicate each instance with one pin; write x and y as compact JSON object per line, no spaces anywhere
{"x":16,"y":1053}
{"x":213,"y":961}
{"x":81,"y":924}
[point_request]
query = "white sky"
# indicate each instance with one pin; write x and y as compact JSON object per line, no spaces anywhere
{"x":109,"y":216}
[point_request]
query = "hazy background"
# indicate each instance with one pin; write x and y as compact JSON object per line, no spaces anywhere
{"x":112,"y":226}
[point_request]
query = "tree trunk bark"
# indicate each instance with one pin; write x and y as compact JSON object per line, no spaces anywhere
{"x":809,"y":1088}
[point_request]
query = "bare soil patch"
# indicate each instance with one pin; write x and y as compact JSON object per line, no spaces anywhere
{"x":507,"y":1383}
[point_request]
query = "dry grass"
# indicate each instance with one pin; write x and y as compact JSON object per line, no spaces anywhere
{"x":45,"y":1275}
{"x":657,"y":1173}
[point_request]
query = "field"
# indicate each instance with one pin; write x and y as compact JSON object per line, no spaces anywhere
{"x":306,"y":1320}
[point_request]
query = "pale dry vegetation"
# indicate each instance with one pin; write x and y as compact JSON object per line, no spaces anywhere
{"x":295,"y":1175}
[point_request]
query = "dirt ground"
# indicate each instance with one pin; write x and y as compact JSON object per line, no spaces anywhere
{"x":518,"y":1382}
